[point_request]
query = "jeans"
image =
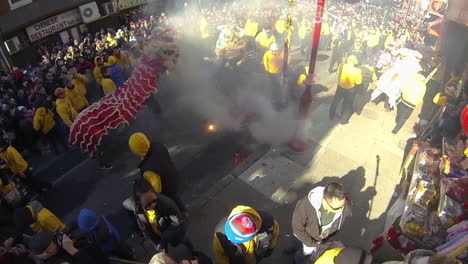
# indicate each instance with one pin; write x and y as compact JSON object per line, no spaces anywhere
{"x":347,"y":96}
{"x":403,"y":113}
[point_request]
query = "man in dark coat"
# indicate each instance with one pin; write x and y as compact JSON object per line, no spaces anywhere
{"x":318,"y":216}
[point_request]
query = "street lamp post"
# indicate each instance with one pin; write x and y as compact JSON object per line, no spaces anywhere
{"x":300,"y":142}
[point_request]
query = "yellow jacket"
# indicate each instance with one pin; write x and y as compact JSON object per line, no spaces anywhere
{"x":273,"y":63}
{"x":204,"y":29}
{"x":373,"y":39}
{"x":66,"y":111}
{"x":5,"y":189}
{"x":349,"y":76}
{"x":112,"y":42}
{"x":389,"y":41}
{"x":76,"y":99}
{"x":263,"y":40}
{"x":328,"y":257}
{"x":251,"y":28}
{"x":14,"y":161}
{"x":108,"y":86}
{"x":249,"y":247}
{"x":79,"y":83}
{"x":97,"y":72}
{"x":414,"y":90}
{"x":44,"y":220}
{"x":325,"y":29}
{"x":44,"y":120}
{"x":280,"y":26}
{"x":303,"y":29}
{"x":123,"y":60}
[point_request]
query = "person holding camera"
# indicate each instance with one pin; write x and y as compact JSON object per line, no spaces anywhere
{"x":58,"y":248}
{"x":159,"y":217}
{"x":245,"y":236}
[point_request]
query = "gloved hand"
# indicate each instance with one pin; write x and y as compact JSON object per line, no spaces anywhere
{"x":175,"y":221}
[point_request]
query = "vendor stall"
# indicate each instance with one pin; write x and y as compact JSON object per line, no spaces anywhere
{"x":432,"y":209}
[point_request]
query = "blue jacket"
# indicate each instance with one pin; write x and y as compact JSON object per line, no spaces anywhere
{"x":116,"y":75}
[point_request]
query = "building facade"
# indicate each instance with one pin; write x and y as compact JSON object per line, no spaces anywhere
{"x":25,"y":25}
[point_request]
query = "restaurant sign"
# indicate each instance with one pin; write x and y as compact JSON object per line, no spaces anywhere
{"x":124,"y":4}
{"x":54,"y":24}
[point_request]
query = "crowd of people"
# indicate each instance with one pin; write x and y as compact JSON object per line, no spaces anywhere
{"x":40,"y":102}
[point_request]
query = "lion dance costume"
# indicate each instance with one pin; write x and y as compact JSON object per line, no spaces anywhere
{"x":121,"y":106}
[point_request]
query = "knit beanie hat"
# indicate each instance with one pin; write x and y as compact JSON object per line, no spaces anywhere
{"x":88,"y":220}
{"x":240,"y":228}
{"x":139,"y":144}
{"x":40,"y":241}
{"x":353,"y":256}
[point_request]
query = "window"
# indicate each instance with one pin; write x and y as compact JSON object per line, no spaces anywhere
{"x":18,"y":3}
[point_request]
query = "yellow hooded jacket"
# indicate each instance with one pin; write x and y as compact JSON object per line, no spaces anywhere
{"x":414,"y":90}
{"x":108,"y":86}
{"x":76,"y":99}
{"x":44,"y":220}
{"x":328,"y":257}
{"x":66,"y":111}
{"x":80,"y":83}
{"x":263,"y":40}
{"x":14,"y":161}
{"x":44,"y":120}
{"x":373,"y":39}
{"x":97,"y":71}
{"x":349,"y":75}
{"x":139,"y":144}
{"x":249,"y":247}
{"x":204,"y":28}
{"x":5,"y":189}
{"x":251,"y":28}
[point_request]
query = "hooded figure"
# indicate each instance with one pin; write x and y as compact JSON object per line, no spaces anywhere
{"x":246,"y":236}
{"x":318,"y":215}
{"x":156,"y":165}
{"x":102,"y":233}
{"x":116,"y":71}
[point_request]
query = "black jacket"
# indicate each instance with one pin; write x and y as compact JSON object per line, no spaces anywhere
{"x":159,"y":161}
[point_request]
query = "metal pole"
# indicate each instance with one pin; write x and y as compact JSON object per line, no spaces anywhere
{"x":300,"y":143}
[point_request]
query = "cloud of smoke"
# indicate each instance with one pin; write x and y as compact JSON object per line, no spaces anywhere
{"x":222,"y":95}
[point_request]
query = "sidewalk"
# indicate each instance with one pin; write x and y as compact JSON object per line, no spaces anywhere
{"x":363,"y":155}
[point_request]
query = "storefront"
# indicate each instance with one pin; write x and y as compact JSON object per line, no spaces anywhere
{"x":62,"y":28}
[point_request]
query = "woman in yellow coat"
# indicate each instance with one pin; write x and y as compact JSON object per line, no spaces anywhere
{"x":252,"y":233}
{"x":65,"y":109}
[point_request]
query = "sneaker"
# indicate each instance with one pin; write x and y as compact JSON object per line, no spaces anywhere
{"x":106,"y":167}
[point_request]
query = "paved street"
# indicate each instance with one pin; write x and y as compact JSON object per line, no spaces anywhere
{"x":364,"y":155}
